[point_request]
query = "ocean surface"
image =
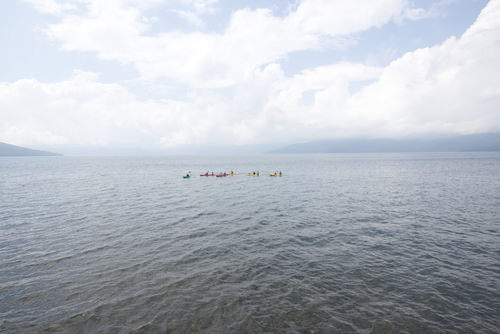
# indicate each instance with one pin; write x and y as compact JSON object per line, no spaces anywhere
{"x":360,"y":243}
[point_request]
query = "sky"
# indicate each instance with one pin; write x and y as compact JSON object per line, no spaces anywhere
{"x":181,"y":75}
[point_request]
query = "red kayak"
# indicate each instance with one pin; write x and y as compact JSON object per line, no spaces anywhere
{"x":220,"y":175}
{"x":207,"y":174}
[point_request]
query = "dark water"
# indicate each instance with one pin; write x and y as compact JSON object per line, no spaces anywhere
{"x":339,"y":244}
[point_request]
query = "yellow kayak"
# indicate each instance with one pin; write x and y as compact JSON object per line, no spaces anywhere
{"x":274,"y":174}
{"x":232,"y":173}
{"x":253,"y":174}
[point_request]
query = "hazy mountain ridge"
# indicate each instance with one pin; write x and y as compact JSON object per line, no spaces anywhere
{"x":465,"y":143}
{"x":8,"y":150}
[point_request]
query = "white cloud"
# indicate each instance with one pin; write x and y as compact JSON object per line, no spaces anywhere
{"x":336,"y":18}
{"x":441,"y":89}
{"x":83,"y":112}
{"x":52,"y":7}
{"x":450,"y":88}
{"x":190,"y":16}
{"x":195,"y":11}
{"x":453,"y":87}
{"x":116,"y":30}
{"x":202,"y":6}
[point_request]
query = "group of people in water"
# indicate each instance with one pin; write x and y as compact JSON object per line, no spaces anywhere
{"x":232,"y":173}
{"x":258,"y":173}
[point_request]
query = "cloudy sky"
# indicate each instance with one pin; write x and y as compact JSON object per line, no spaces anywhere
{"x":175,"y":74}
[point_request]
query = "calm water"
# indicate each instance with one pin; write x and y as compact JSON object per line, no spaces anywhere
{"x":402,"y":243}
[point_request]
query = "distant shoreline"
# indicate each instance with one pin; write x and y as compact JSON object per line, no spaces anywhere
{"x":8,"y":150}
{"x":487,"y":142}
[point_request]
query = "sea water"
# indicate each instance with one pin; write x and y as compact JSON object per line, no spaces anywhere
{"x":360,"y":243}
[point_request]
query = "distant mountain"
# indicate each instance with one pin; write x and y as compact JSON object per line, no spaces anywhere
{"x":7,"y":150}
{"x":466,"y":143}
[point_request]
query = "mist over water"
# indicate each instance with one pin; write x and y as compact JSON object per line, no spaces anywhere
{"x":361,"y":243}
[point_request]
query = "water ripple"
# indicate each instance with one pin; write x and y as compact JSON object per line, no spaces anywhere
{"x":339,"y":244}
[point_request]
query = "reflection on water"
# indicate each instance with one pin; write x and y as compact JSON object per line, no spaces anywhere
{"x":339,"y":244}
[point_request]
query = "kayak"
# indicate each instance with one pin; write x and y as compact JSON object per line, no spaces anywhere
{"x":186,"y":176}
{"x":221,"y":175}
{"x":207,"y":174}
{"x":232,"y":173}
{"x":253,"y":174}
{"x":274,"y":175}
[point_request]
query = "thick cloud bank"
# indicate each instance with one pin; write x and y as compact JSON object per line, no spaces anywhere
{"x":237,"y":90}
